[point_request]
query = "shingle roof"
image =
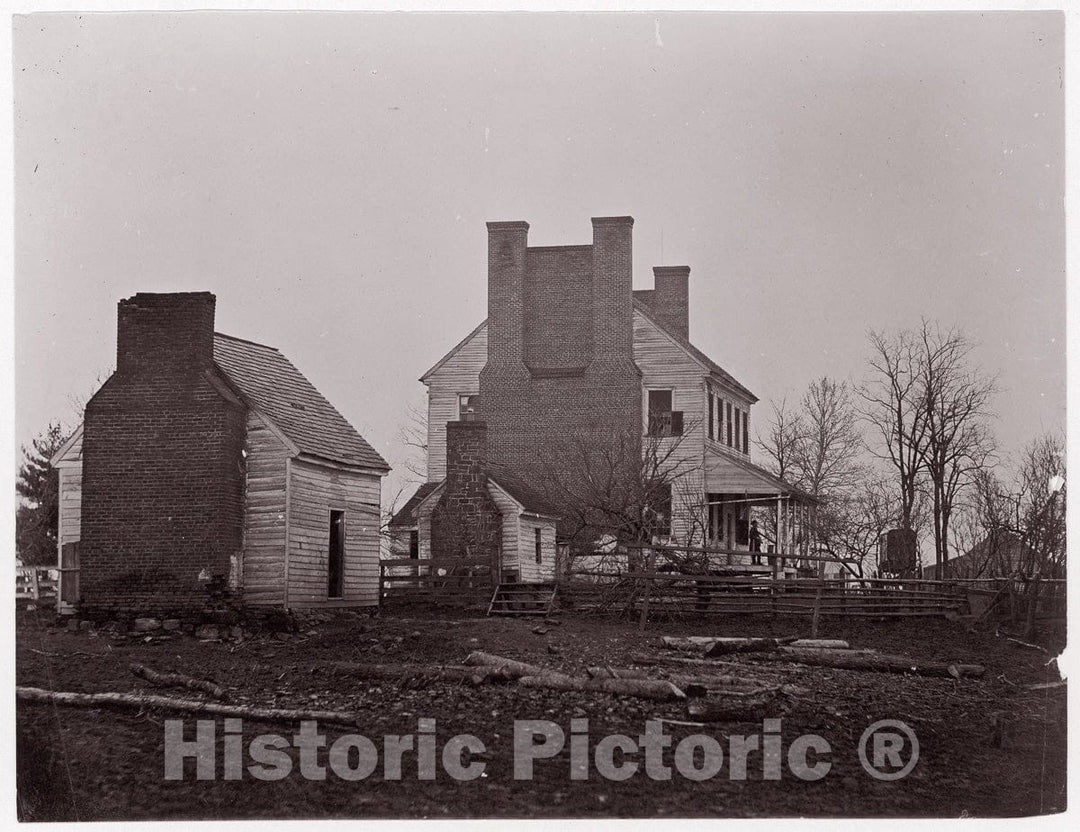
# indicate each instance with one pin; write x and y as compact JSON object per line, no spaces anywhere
{"x":406,"y":515}
{"x":273,"y":386}
{"x":531,"y":499}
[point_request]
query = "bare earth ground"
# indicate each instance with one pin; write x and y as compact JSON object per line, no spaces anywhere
{"x":988,"y":746}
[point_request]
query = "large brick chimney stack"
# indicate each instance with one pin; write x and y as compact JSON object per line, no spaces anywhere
{"x":563,"y":378}
{"x":163,"y":473}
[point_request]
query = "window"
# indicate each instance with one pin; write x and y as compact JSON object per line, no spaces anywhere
{"x":469,"y":407}
{"x":414,"y":545}
{"x":539,"y":546}
{"x":336,"y":560}
{"x":746,"y":432}
{"x":728,"y":423}
{"x":738,"y":429}
{"x":663,"y":421}
{"x":710,"y":415}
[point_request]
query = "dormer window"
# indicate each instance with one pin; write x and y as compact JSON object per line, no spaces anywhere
{"x":469,"y":407}
{"x":663,"y":421}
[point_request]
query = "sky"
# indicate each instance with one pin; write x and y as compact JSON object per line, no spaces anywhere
{"x":328,"y":177}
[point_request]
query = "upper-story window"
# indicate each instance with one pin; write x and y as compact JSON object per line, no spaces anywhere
{"x":663,"y":421}
{"x":469,"y":407}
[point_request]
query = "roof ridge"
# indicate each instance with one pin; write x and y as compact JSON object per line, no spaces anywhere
{"x":246,"y":341}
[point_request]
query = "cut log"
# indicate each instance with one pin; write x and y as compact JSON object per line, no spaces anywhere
{"x":607,"y":672}
{"x":877,"y":662}
{"x":734,"y":707}
{"x":512,"y":668}
{"x":140,"y":701}
{"x":411,"y":674}
{"x":179,"y":680}
{"x":718,"y":645}
{"x":655,"y":689}
{"x":724,"y":646}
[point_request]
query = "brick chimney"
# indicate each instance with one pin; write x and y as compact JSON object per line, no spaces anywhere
{"x":507,"y":242}
{"x":466,"y":522}
{"x":613,"y":278}
{"x":670,"y":298}
{"x":163,"y":472}
{"x":159,"y":332}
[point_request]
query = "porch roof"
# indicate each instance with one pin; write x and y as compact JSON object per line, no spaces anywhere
{"x":727,"y":475}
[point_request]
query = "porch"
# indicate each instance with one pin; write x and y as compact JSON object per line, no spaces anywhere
{"x":756,"y":522}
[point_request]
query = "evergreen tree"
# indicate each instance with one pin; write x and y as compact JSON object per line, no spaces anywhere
{"x":38,"y":487}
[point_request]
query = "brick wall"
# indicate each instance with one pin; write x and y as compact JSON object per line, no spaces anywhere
{"x":581,"y":386}
{"x":669,"y":299}
{"x":466,"y":522}
{"x":162,"y":470}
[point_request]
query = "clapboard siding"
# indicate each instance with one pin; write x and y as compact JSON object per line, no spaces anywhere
{"x":530,"y":569}
{"x":314,"y":490}
{"x":460,"y":375}
{"x":666,"y":365}
{"x":69,"y":520}
{"x":510,"y":510}
{"x":264,"y":514}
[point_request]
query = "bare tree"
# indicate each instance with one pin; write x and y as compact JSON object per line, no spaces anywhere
{"x":1042,"y":506}
{"x":930,"y":408}
{"x":619,"y":492}
{"x":413,"y":434}
{"x":786,"y":432}
{"x":958,"y":443}
{"x":895,"y":406}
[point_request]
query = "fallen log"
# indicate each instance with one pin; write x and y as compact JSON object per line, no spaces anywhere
{"x":719,"y":645}
{"x":655,"y":689}
{"x":410,"y":674}
{"x":179,"y":680}
{"x":512,"y":668}
{"x":877,"y":662}
{"x":734,"y":707}
{"x":608,"y":672}
{"x":140,"y":701}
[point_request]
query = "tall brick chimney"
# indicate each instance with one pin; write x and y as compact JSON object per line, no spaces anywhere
{"x":165,"y":331}
{"x":507,"y":242}
{"x":572,"y":382}
{"x":163,"y":473}
{"x":613,"y":278}
{"x":671,"y":298}
{"x":466,"y":522}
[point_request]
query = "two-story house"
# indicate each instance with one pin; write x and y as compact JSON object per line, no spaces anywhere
{"x":571,"y":355}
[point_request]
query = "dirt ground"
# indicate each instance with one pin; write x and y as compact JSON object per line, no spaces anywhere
{"x":988,"y":747}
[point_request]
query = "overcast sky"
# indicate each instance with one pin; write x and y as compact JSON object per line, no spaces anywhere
{"x":328,"y":177}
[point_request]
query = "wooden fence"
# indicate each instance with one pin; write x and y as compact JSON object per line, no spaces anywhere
{"x":35,"y":583}
{"x":448,"y":581}
{"x":670,"y":595}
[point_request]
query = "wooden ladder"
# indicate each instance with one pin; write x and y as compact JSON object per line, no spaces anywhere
{"x":523,"y":599}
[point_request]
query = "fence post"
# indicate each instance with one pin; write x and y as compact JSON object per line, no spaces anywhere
{"x":817,"y":608}
{"x":650,"y":569}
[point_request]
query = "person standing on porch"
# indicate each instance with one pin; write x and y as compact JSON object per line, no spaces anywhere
{"x":755,"y":544}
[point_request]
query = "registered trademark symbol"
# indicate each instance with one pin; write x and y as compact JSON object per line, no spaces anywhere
{"x":888,"y":749}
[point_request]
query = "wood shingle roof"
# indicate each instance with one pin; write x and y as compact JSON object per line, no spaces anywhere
{"x":271,"y":385}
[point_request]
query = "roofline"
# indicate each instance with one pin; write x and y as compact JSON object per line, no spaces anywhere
{"x":723,"y":375}
{"x":54,"y":460}
{"x":456,"y":349}
{"x":245,"y":341}
{"x":329,"y":462}
{"x":521,"y":506}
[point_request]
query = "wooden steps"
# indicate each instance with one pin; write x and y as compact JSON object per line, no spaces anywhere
{"x":523,"y":599}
